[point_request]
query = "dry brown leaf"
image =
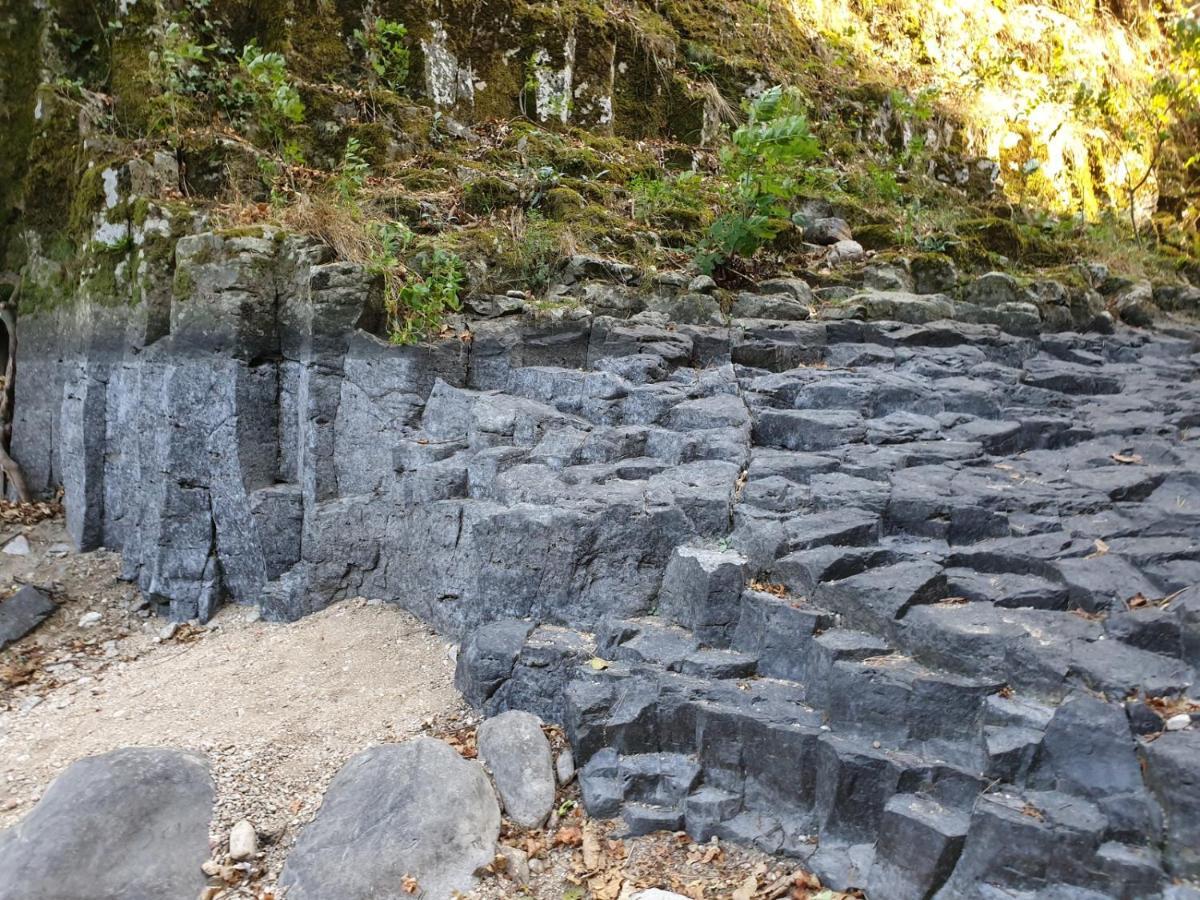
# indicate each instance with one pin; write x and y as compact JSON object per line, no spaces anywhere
{"x":410,"y":884}
{"x":747,"y":889}
{"x":593,"y":855}
{"x":1127,"y":459}
{"x":569,"y":836}
{"x":1101,"y":549}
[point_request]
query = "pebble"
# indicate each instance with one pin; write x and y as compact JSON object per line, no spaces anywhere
{"x":18,"y":546}
{"x":518,"y":864}
{"x":253,"y":614}
{"x":564,"y":767}
{"x":1179,"y":722}
{"x":243,"y":841}
{"x":168,"y":631}
{"x":87,"y":620}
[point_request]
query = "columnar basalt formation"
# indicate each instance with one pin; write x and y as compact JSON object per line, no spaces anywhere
{"x":906,"y":589}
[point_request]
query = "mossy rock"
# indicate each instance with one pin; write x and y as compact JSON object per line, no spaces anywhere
{"x":488,"y":194}
{"x":563,"y":203}
{"x":1014,"y":240}
{"x":877,"y":236}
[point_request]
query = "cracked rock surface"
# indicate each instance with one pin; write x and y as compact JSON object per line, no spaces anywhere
{"x":908,"y":596}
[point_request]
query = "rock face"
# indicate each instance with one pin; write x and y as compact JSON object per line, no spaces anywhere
{"x":895,"y":547}
{"x":416,"y":810}
{"x":128,"y":825}
{"x":21,"y":613}
{"x":516,"y":752}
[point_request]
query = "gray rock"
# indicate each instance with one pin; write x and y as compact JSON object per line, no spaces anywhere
{"x":933,"y":273}
{"x":844,"y":252}
{"x":701,"y":284}
{"x":127,"y":825}
{"x":516,"y":752}
{"x":888,"y":277}
{"x":18,"y":546}
{"x":1136,"y":306}
{"x":90,"y":619}
{"x":994,"y":289}
{"x":796,"y":288}
{"x":564,"y":766}
{"x":827,"y":231}
{"x":769,"y":306}
{"x":243,"y":841}
{"x":22,"y":612}
{"x":416,"y":809}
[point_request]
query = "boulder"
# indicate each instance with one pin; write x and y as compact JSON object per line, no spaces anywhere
{"x":21,"y":613}
{"x":516,"y":752}
{"x":127,"y":825}
{"x":414,"y":810}
{"x":993,"y":289}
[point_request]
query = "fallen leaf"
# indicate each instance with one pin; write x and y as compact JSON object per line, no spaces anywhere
{"x":747,"y":889}
{"x":569,"y":836}
{"x":1101,"y":549}
{"x":1127,"y":459}
{"x":593,"y":856}
{"x":410,"y":884}
{"x":599,"y":664}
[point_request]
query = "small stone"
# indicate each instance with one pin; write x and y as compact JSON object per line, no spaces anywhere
{"x":536,"y":866}
{"x":58,"y":550}
{"x":167,"y":631}
{"x":564,"y":767}
{"x":516,"y":863}
{"x":253,"y":614}
{"x":89,"y":619}
{"x":18,"y":546}
{"x":211,"y":868}
{"x":243,"y":841}
{"x":702,"y":284}
{"x":1179,"y":722}
{"x":844,"y":252}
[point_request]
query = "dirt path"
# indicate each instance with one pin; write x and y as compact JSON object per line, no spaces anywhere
{"x":276,"y":709}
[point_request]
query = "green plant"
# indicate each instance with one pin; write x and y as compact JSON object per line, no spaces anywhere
{"x":351,"y":173}
{"x":177,"y":66}
{"x":654,"y":197}
{"x":274,"y":98}
{"x":416,"y":307}
{"x":382,"y":42}
{"x":763,"y":163}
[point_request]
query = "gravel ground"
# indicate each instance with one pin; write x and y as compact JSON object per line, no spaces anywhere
{"x":277,"y":709}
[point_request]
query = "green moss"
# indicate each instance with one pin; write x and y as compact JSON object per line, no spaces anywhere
{"x":488,"y":194}
{"x":563,"y":203}
{"x":877,"y":236}
{"x":1018,"y":242}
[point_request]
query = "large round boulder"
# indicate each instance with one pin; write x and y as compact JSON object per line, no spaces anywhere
{"x":413,"y":817}
{"x":128,"y":825}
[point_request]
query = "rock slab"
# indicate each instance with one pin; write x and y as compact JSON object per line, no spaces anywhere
{"x":415,"y":810}
{"x":127,"y":825}
{"x":21,"y":613}
{"x":517,"y":753}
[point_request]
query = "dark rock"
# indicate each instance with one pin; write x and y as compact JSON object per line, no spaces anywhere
{"x":22,"y":612}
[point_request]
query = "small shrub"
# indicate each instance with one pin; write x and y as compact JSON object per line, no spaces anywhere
{"x":415,"y":309}
{"x":383,"y":44}
{"x":351,"y":173}
{"x":275,"y":100}
{"x":763,"y":165}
